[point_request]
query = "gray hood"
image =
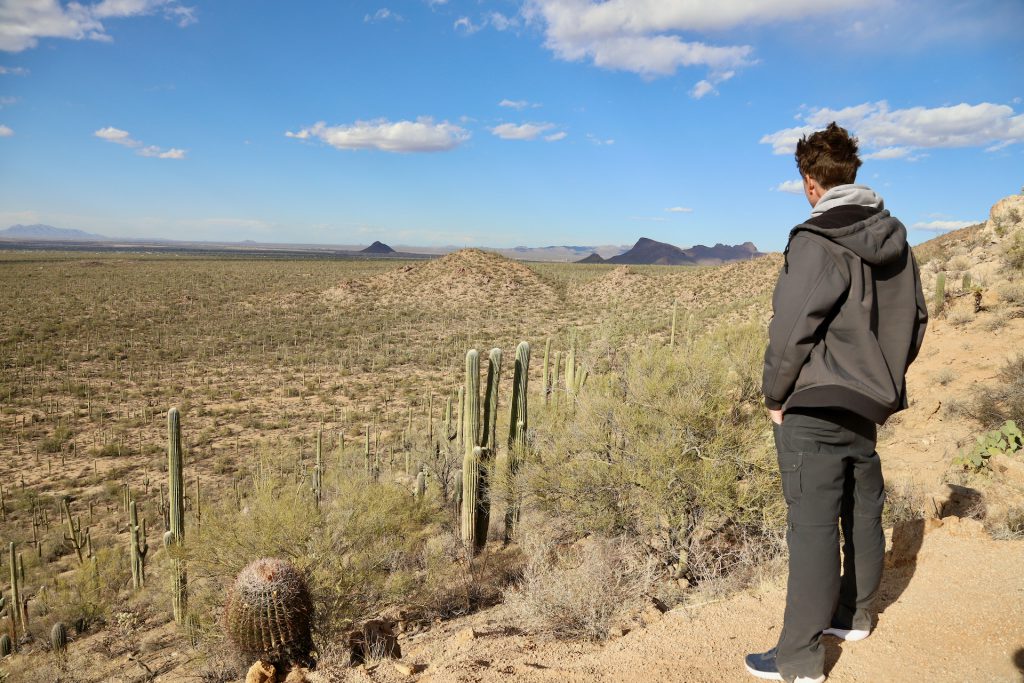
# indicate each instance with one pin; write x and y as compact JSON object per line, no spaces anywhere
{"x":842,"y":195}
{"x":854,"y":217}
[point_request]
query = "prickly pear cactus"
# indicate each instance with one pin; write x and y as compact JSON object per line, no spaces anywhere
{"x":269,"y":613}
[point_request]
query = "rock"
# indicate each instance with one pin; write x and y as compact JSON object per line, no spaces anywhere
{"x":261,"y":672}
{"x":1010,"y":467}
{"x":406,"y":669}
{"x":297,"y":675}
{"x":618,"y":631}
{"x":965,"y":527}
{"x":653,"y":611}
{"x":466,"y":635}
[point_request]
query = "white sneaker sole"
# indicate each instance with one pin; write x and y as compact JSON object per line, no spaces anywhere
{"x":773,"y":676}
{"x":846,"y":634}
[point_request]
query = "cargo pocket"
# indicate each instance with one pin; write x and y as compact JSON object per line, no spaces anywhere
{"x":789,"y":467}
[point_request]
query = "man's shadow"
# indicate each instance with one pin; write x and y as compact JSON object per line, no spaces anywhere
{"x":900,"y":565}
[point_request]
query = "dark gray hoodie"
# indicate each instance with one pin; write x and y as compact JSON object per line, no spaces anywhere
{"x":849,"y":313}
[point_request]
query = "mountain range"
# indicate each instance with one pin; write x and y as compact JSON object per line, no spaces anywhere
{"x":39,"y":231}
{"x":645,"y":252}
{"x":651,"y":252}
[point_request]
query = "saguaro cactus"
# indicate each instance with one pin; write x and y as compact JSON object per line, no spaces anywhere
{"x":479,"y":436}
{"x":318,"y":470}
{"x":174,"y":539}
{"x":940,"y":292}
{"x":6,"y":647}
{"x":672,"y":336}
{"x":139,"y":547}
{"x":269,"y":612}
{"x":15,"y":608}
{"x":74,"y":537}
{"x":518,"y":424}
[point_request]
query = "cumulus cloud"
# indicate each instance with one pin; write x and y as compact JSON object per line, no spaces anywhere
{"x":643,"y":36}
{"x":790,"y":186}
{"x":23,"y":23}
{"x":679,"y":209}
{"x":124,"y":138}
{"x":942,"y":226}
{"x":421,"y":135}
{"x":897,"y":133}
{"x":555,"y":137}
{"x":5,"y":132}
{"x":523,"y":131}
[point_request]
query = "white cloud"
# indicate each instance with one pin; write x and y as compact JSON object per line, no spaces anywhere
{"x":889,"y":153}
{"x":421,"y":135}
{"x":117,"y":136}
{"x":13,"y":71}
{"x":124,"y":138}
{"x":790,"y":186}
{"x":7,"y":101}
{"x":642,"y":36}
{"x":943,"y":226}
{"x":701,"y":89}
{"x":5,"y":132}
{"x":555,"y":137}
{"x":518,"y":105}
{"x":467,"y":25}
{"x":500,"y":22}
{"x":599,"y":141}
{"x":524,"y":131}
{"x":383,"y":14}
{"x":24,"y":22}
{"x":679,"y":209}
{"x":897,"y":133}
{"x":156,"y":152}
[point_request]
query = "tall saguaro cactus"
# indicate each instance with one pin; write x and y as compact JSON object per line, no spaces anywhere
{"x":518,"y":424}
{"x":318,"y":470}
{"x":174,"y":538}
{"x":139,"y":547}
{"x":479,"y":437}
{"x":74,"y":536}
{"x":15,"y":608}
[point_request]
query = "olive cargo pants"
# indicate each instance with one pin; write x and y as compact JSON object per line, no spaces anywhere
{"x":831,"y":474}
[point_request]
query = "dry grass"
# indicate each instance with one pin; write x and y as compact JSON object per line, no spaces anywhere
{"x":581,"y":591}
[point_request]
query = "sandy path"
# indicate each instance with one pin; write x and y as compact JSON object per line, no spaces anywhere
{"x":952,"y":611}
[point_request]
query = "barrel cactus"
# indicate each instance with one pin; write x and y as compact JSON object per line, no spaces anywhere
{"x":59,"y":639}
{"x":269,"y":613}
{"x":6,"y":646}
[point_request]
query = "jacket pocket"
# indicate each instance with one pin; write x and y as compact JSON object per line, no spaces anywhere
{"x":790,"y":465}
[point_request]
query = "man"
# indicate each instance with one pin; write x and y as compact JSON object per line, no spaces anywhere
{"x":849,"y":318}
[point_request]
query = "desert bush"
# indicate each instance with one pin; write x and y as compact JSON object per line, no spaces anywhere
{"x":84,"y":597}
{"x":904,"y":502}
{"x":996,"y":403}
{"x":673,"y":450}
{"x":581,"y":591}
{"x":1014,"y":252}
{"x":368,"y":547}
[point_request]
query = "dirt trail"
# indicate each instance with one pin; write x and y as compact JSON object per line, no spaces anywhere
{"x":951,"y":609}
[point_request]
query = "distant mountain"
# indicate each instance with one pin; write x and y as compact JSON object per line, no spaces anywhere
{"x":651,"y":252}
{"x":48,"y":232}
{"x":378,"y":248}
{"x":593,"y":258}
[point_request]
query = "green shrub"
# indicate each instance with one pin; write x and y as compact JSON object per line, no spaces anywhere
{"x":996,"y":403}
{"x":1006,"y":439}
{"x":1015,"y":252}
{"x":671,"y":449}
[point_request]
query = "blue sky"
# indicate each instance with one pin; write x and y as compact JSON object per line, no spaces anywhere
{"x":497,"y":123}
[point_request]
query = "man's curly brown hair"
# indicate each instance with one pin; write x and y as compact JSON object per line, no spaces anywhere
{"x":829,"y":156}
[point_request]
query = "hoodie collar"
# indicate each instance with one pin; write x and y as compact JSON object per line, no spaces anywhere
{"x":843,"y":195}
